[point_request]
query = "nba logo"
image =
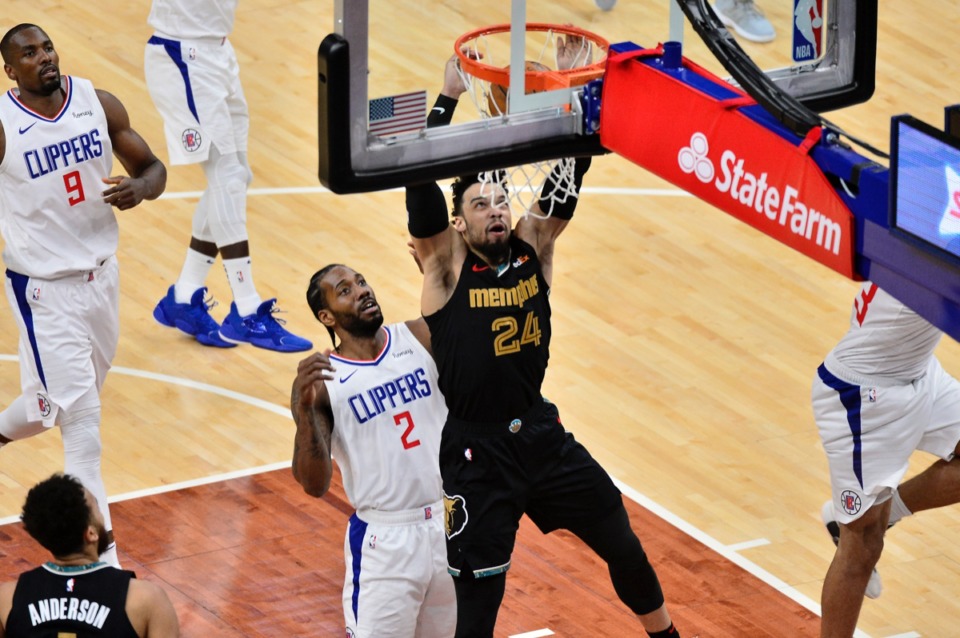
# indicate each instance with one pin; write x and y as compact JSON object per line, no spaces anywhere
{"x":807,"y":30}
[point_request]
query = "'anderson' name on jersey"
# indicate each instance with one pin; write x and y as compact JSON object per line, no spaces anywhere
{"x":78,"y":609}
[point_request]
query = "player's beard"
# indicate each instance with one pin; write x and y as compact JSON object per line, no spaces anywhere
{"x":49,"y":87}
{"x":103,"y":542}
{"x":361,"y":327}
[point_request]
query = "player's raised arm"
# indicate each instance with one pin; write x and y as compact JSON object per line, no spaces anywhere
{"x":310,"y":406}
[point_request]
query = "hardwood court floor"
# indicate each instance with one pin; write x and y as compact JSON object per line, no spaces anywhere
{"x":684,"y":342}
{"x":275,"y":569}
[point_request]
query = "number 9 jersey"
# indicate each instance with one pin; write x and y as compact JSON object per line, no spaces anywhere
{"x":52,"y":215}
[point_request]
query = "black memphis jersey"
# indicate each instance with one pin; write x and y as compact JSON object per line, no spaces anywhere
{"x":81,"y":602}
{"x":491,"y":341}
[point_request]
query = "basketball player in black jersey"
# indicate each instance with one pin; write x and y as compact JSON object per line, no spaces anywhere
{"x":503,"y":451}
{"x":75,"y":594}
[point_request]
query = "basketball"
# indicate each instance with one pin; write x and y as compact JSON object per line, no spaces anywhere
{"x":497,"y":97}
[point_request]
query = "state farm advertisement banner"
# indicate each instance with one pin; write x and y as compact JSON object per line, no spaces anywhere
{"x":708,"y":148}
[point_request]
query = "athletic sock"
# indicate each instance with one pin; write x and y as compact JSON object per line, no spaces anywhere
{"x":898,"y":508}
{"x":669,"y":632}
{"x":196,"y":266}
{"x":240,"y":275}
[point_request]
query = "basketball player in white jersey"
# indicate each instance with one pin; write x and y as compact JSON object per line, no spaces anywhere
{"x":380,"y":417}
{"x":194,"y":80}
{"x":58,"y":136}
{"x":879,"y":395}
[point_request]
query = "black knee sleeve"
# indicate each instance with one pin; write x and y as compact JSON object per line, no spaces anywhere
{"x":478,"y":601}
{"x":633,"y":577}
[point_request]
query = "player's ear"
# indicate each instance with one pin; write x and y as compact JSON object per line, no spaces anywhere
{"x":326,"y":317}
{"x":458,"y":223}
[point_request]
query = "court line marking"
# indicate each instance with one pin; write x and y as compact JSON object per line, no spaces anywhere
{"x":320,"y":190}
{"x":537,"y":633}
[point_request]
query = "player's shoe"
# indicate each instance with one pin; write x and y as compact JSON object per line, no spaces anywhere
{"x":745,"y":18}
{"x":192,"y":318}
{"x":874,"y":586}
{"x":261,"y":329}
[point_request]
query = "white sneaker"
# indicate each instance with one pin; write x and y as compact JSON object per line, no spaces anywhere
{"x":874,"y":586}
{"x":745,"y":18}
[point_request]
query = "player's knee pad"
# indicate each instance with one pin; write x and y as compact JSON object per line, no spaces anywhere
{"x":80,"y":430}
{"x":227,"y":189}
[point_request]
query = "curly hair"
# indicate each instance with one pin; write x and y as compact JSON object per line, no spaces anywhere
{"x":56,"y":514}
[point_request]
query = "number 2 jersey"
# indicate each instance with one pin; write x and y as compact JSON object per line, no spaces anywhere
{"x":886,"y":340}
{"x":388,"y":414}
{"x":52,"y":214}
{"x":492,"y":338}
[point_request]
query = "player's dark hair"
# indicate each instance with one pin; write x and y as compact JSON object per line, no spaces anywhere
{"x":5,"y":41}
{"x":462,"y":183}
{"x":56,"y":514}
{"x":317,"y":299}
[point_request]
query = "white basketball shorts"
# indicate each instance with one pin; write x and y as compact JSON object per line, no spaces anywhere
{"x":396,"y":581}
{"x":870,"y":429}
{"x":195,"y":85}
{"x":69,"y":329}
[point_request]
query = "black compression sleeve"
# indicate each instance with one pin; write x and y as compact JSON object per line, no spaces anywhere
{"x":426,"y":210}
{"x":442,"y":111}
{"x":564,"y":209}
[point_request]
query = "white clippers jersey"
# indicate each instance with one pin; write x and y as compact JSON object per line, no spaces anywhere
{"x":52,"y":216}
{"x":387,"y":417}
{"x":193,"y":19}
{"x":886,"y":339}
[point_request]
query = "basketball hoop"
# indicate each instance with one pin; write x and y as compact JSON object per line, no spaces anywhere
{"x":484,"y":63}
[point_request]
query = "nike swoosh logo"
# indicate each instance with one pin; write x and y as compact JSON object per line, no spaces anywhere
{"x":24,"y":130}
{"x":440,"y":108}
{"x":478,"y":268}
{"x":344,"y":379}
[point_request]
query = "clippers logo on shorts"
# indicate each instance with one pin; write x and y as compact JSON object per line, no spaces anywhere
{"x":807,"y":30}
{"x":191,"y":139}
{"x":850,"y":501}
{"x":44,"y":404}
{"x":515,"y":426}
{"x":456,"y":514}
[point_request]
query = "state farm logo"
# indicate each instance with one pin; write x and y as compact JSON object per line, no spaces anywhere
{"x":693,"y":158}
{"x":752,"y":190}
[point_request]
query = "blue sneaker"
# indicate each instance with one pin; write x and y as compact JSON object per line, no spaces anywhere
{"x":192,"y":318}
{"x":261,"y":329}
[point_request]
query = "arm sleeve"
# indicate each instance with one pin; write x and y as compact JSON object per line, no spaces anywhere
{"x":564,"y":209}
{"x":442,"y":111}
{"x":426,"y":210}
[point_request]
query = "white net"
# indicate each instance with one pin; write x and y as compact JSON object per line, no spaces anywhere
{"x":524,"y":183}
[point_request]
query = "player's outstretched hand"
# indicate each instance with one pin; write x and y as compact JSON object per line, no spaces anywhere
{"x":573,"y":51}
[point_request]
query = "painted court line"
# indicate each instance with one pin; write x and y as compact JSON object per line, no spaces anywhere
{"x":320,"y":190}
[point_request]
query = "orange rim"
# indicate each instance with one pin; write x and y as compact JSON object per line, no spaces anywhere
{"x":535,"y":80}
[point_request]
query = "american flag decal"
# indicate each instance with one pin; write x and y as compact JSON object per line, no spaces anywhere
{"x":398,"y":113}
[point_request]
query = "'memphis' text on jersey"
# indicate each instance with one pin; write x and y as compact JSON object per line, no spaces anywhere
{"x":500,"y":297}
